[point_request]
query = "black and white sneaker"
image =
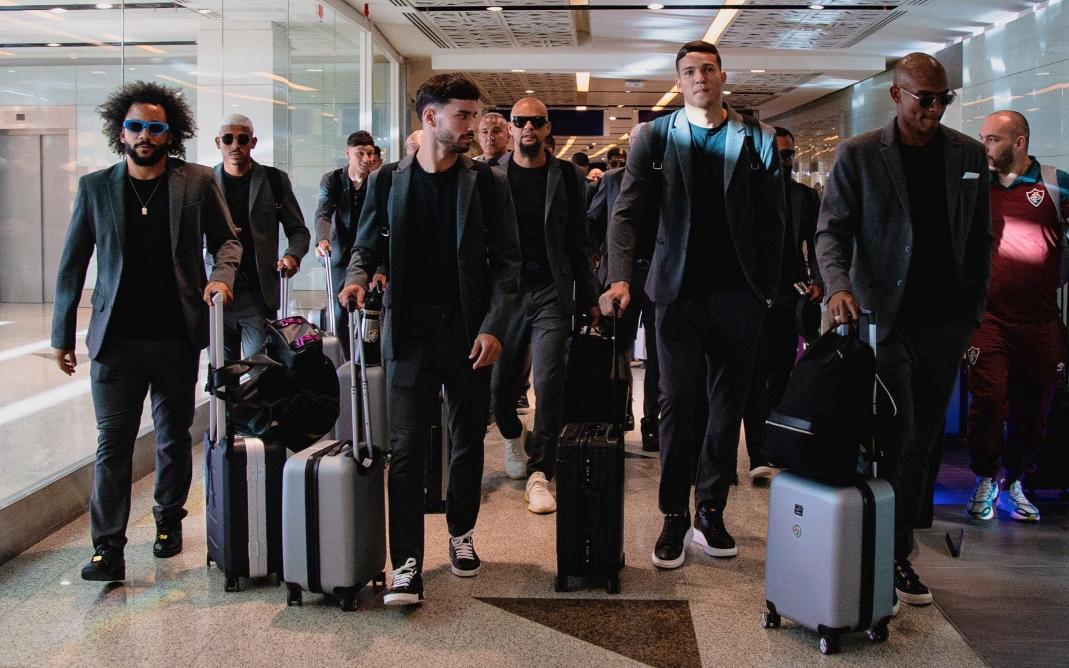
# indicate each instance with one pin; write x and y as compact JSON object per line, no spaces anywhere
{"x":407,"y":586}
{"x":710,"y":533}
{"x":670,"y":550}
{"x":908,"y":586}
{"x":462,"y":558}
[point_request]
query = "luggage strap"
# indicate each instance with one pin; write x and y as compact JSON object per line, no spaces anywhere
{"x":868,"y":556}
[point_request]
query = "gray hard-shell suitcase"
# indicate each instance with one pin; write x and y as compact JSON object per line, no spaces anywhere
{"x":830,"y":553}
{"x":333,"y":516}
{"x":242,"y":487}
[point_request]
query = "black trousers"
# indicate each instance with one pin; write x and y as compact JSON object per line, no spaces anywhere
{"x":776,"y":349}
{"x":123,"y":373}
{"x":642,"y":307}
{"x":722,"y":328}
{"x":432,"y":351}
{"x":919,"y":366}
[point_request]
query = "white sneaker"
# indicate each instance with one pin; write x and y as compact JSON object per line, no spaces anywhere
{"x":516,"y":455}
{"x":537,"y":496}
{"x":1021,"y":509}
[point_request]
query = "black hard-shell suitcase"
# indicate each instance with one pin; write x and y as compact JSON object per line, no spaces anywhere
{"x":243,"y":489}
{"x":590,"y":504}
{"x":596,"y":387}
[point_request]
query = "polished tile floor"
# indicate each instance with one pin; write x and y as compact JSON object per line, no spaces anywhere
{"x":174,"y":612}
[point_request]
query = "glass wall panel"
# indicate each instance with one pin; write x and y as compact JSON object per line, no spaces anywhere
{"x":383,"y":97}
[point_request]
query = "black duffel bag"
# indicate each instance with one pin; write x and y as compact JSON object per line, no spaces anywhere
{"x":294,"y":397}
{"x":824,"y":425}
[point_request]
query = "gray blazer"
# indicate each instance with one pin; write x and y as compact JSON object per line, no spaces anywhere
{"x":601,"y":208}
{"x":567,"y":240}
{"x":488,"y":248}
{"x":198,"y":214}
{"x":754,"y":199}
{"x":265,"y":215}
{"x":865,"y":233}
{"x":335,"y":218}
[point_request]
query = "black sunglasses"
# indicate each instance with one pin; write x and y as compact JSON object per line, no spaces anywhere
{"x":242,"y":138}
{"x":928,"y":99}
{"x":136,"y":126}
{"x":537,"y":122}
{"x":787,"y":154}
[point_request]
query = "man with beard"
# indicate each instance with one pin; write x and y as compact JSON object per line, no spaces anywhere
{"x":905,"y":232}
{"x":452,"y":257}
{"x":260,"y":199}
{"x":493,"y":138}
{"x":147,"y":218}
{"x":706,"y":184}
{"x":1015,"y":354}
{"x":778,"y":342}
{"x":341,"y":196}
{"x":554,"y":244}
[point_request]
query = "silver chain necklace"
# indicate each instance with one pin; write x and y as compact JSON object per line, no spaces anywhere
{"x":144,"y":202}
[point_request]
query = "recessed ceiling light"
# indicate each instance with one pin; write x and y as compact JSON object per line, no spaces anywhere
{"x":104,"y":5}
{"x":655,"y":6}
{"x":757,"y":71}
{"x":612,"y":118}
{"x":619,"y":106}
{"x":581,"y":108}
{"x":727,"y":92}
{"x":58,"y":10}
{"x":816,"y":7}
{"x":627,"y":91}
{"x":53,"y":44}
{"x":528,"y":91}
{"x":493,"y":8}
{"x":518,"y":71}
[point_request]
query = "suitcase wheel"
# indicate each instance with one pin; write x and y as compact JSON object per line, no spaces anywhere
{"x":877,"y":633}
{"x":560,"y":583}
{"x":770,"y":620}
{"x":233,"y":584}
{"x":829,"y":645}
{"x":348,"y":602}
{"x":293,"y":595}
{"x":613,"y":587}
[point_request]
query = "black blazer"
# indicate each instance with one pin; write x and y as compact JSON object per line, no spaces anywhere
{"x":198,"y":214}
{"x":567,"y":240}
{"x":265,"y":218}
{"x":488,"y":248}
{"x":335,"y":218}
{"x":753,"y":197}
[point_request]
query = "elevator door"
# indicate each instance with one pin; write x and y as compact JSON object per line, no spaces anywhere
{"x":35,"y":204}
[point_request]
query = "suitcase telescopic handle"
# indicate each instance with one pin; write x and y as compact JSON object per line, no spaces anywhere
{"x":354,"y":327}
{"x":283,"y":294}
{"x":332,"y":322}
{"x":216,"y":407}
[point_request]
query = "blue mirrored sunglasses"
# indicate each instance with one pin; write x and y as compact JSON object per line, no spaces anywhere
{"x":154,"y":127}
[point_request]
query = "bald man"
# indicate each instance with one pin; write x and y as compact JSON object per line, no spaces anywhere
{"x":905,"y":231}
{"x":1014,"y":355}
{"x":550,"y":202}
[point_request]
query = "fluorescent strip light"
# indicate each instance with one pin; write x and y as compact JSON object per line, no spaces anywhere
{"x":721,"y":21}
{"x":666,"y":98}
{"x":567,"y":145}
{"x":582,"y":82}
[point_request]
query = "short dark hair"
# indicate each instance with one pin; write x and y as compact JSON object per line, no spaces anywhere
{"x":612,"y":153}
{"x":699,"y":46}
{"x":378,"y":151}
{"x":179,"y":116}
{"x":784,"y":132}
{"x":360,"y":138}
{"x":441,"y":88}
{"x":581,"y":159}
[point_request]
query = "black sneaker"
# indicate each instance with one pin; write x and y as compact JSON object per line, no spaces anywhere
{"x":908,"y":586}
{"x":407,"y":587}
{"x":462,"y":558}
{"x":629,"y":421}
{"x":670,"y":550}
{"x":523,"y":405}
{"x":168,"y":539}
{"x":710,"y":533}
{"x":650,"y":439}
{"x":107,"y":565}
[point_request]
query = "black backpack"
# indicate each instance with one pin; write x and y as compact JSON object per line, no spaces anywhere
{"x":823,"y":428}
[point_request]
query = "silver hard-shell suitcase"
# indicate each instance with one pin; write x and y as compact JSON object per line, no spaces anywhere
{"x":333,"y":516}
{"x":830,"y":553}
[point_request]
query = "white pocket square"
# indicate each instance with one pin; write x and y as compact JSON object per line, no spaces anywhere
{"x":967,"y":176}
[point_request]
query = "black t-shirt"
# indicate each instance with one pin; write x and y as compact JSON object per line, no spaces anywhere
{"x":528,"y":185}
{"x":712,"y":263}
{"x":931,"y":291}
{"x":357,"y":193}
{"x":147,"y":305}
{"x":432,"y":274}
{"x":236,"y":189}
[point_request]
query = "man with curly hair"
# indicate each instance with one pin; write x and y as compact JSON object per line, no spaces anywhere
{"x":147,"y":218}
